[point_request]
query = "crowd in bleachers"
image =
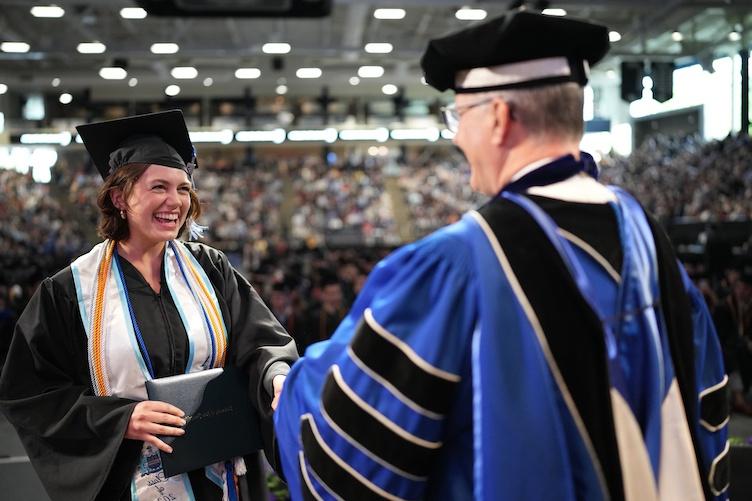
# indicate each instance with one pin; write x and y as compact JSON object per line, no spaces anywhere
{"x":437,"y":191}
{"x":688,"y":178}
{"x":348,"y":198}
{"x":274,"y":218}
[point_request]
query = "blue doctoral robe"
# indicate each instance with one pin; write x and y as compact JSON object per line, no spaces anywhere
{"x":503,"y":357}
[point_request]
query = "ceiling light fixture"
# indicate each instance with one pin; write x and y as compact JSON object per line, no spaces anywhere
{"x":65,"y":98}
{"x":276,"y":136}
{"x":370,"y":71}
{"x":208,"y":81}
{"x":16,"y":47}
{"x":389,"y":13}
{"x":281,"y":90}
{"x":247,"y":73}
{"x":164,"y":48}
{"x":381,"y":134}
{"x":3,"y":88}
{"x":676,"y":36}
{"x":276,"y":48}
{"x":389,"y":89}
{"x":133,"y":82}
{"x":172,"y":90}
{"x":468,"y":14}
{"x":184,"y":72}
{"x":735,"y":36}
{"x":554,"y":12}
{"x":47,"y":11}
{"x":112,"y":73}
{"x":614,"y":36}
{"x":327,"y":135}
{"x":354,"y":80}
{"x":91,"y":48}
{"x":379,"y":48}
{"x":132,"y":13}
{"x":308,"y":73}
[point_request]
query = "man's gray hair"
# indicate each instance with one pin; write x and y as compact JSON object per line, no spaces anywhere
{"x":551,"y":111}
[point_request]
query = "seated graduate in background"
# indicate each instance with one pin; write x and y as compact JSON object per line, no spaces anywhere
{"x":140,"y":305}
{"x":546,"y":346}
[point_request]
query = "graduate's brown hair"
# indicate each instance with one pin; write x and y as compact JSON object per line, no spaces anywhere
{"x":111,"y":225}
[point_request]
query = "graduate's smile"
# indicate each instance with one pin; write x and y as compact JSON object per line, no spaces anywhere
{"x":159,"y":204}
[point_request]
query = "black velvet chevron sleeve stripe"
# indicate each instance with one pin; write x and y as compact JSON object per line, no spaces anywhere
{"x":333,"y":471}
{"x":719,"y":473}
{"x":305,"y":481}
{"x":714,"y":406}
{"x":387,"y":361}
{"x":373,"y":431}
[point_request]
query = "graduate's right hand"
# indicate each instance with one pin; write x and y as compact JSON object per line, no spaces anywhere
{"x":151,"y":418}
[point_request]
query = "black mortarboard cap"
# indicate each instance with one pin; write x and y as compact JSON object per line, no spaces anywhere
{"x":156,"y":138}
{"x":517,"y":37}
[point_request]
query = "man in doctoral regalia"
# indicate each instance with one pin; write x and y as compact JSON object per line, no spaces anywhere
{"x":546,"y":346}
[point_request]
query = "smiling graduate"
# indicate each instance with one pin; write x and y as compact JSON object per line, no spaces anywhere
{"x":140,"y":305}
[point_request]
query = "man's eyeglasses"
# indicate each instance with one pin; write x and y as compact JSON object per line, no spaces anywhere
{"x":452,"y":113}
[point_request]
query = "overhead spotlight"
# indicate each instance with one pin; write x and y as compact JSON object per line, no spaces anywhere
{"x":133,"y":82}
{"x":276,"y":48}
{"x":281,"y":90}
{"x":554,"y":12}
{"x":378,"y":48}
{"x":308,"y":72}
{"x":113,"y":73}
{"x":16,"y":47}
{"x":184,"y":72}
{"x":3,"y":88}
{"x":468,"y":14}
{"x":208,"y":82}
{"x":132,"y":13}
{"x":614,"y":36}
{"x":65,"y":98}
{"x":735,"y":36}
{"x":55,"y":82}
{"x":47,"y":11}
{"x":389,"y":89}
{"x":676,"y":36}
{"x":370,"y":71}
{"x":247,"y":73}
{"x":91,"y":48}
{"x":389,"y":13}
{"x":172,"y":90}
{"x":354,"y":80}
{"x":164,"y":48}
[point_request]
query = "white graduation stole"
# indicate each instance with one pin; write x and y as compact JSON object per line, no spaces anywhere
{"x":116,"y":364}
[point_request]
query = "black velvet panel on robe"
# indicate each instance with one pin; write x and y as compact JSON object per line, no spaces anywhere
{"x":74,"y":438}
{"x":572,"y":330}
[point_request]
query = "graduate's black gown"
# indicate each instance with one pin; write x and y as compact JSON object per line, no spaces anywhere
{"x":75,"y":440}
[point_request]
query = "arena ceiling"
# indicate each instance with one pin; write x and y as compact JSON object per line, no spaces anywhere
{"x":217,"y":47}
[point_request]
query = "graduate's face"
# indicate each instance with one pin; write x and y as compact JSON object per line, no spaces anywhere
{"x":158,"y":205}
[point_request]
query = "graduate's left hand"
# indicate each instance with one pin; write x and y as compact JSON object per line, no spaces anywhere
{"x":277,"y":383}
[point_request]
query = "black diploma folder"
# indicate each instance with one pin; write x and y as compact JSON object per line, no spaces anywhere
{"x":220,"y":421}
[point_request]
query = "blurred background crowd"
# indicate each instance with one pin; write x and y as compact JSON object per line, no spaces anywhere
{"x":306,"y":230}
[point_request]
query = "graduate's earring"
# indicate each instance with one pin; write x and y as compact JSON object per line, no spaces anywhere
{"x":122,"y":213}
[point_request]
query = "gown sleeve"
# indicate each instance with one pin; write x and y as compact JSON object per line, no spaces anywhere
{"x":362,"y":415}
{"x":712,"y":401}
{"x":74,"y":438}
{"x":257,"y":340}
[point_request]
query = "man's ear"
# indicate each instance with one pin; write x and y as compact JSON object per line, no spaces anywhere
{"x":502,"y":116}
